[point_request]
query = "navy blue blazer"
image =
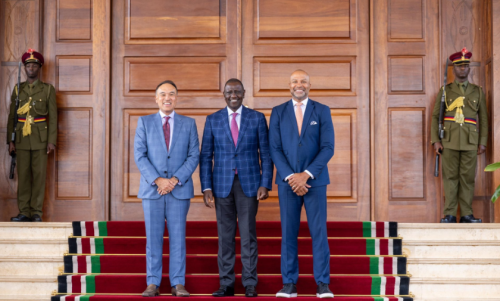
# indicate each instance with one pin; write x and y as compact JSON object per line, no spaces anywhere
{"x":219,"y":157}
{"x":310,"y":151}
{"x":153,"y":160}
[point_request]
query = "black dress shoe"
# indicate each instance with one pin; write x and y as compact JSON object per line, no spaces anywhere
{"x":449,"y":219}
{"x":470,"y":219}
{"x":20,"y":218}
{"x":224,"y":291}
{"x":36,"y":218}
{"x":250,"y":291}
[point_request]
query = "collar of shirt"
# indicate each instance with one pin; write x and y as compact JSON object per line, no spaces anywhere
{"x":230,"y":112}
{"x":465,"y":83}
{"x":163,"y":115}
{"x":303,"y":107}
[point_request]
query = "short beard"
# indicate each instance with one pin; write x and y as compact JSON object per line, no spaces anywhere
{"x":300,"y":98}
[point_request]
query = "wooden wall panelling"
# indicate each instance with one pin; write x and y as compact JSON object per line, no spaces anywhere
{"x":76,"y":51}
{"x":463,"y":25}
{"x":193,"y":43}
{"x":405,"y":85}
{"x":20,"y":29}
{"x":332,"y":47}
{"x":495,"y":105}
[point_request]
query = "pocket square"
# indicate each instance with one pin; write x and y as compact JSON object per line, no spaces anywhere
{"x":313,"y":122}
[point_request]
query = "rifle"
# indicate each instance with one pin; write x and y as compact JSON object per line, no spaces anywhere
{"x":441,"y":117}
{"x":13,"y":138}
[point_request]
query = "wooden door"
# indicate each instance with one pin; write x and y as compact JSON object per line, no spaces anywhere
{"x":409,"y":62}
{"x":195,"y":44}
{"x":329,"y":40}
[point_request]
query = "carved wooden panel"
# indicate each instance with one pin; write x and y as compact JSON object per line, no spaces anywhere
{"x":192,"y":75}
{"x":74,"y":154}
{"x":172,"y":21}
{"x":278,"y":19}
{"x":406,"y":20}
{"x":406,"y":153}
{"x":18,"y":34}
{"x":329,"y":75}
{"x":131,"y":172}
{"x":462,"y":27}
{"x":74,"y":20}
{"x":74,"y":74}
{"x":406,"y":74}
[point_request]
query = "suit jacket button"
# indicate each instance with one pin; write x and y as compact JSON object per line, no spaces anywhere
{"x":168,"y":157}
{"x":236,"y":155}
{"x":300,"y":144}
{"x":165,"y":171}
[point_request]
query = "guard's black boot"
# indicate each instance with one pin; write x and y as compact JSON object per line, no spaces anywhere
{"x":470,"y":219}
{"x":20,"y":218}
{"x":449,"y":219}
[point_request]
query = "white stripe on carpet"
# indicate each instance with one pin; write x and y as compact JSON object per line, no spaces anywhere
{"x":83,"y":279}
{"x":79,"y":245}
{"x":96,"y":228}
{"x":69,"y":285}
{"x":89,"y":264}
{"x":92,"y":245}
{"x":383,"y":283}
{"x":374,"y":229}
{"x":377,"y":246}
{"x":391,"y":246}
{"x":386,"y":229}
{"x":394,"y":265}
{"x":82,"y":227}
{"x":75,"y":264}
{"x":396,"y":286}
{"x":381,"y":266}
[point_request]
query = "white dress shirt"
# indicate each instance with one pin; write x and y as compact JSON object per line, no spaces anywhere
{"x":295,"y":108}
{"x":238,"y":117}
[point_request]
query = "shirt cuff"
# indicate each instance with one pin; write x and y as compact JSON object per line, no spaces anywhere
{"x":310,"y":174}
{"x":207,"y":189}
{"x":286,"y":179}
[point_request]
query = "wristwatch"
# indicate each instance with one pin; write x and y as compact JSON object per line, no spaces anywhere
{"x":176,"y":178}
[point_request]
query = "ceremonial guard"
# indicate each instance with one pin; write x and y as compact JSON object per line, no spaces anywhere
{"x":35,"y":136}
{"x":464,"y":106}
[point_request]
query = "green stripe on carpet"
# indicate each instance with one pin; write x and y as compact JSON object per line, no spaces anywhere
{"x":90,"y":280}
{"x":374,"y":262}
{"x":370,"y":247}
{"x":378,"y":299}
{"x":376,"y":282}
{"x":85,"y":297}
{"x":103,"y":228}
{"x":99,"y":245}
{"x":96,"y":264}
{"x":367,"y":229}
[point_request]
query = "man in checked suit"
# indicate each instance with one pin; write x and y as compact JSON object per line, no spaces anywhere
{"x":166,"y":151}
{"x":234,"y":139}
{"x":302,"y":142}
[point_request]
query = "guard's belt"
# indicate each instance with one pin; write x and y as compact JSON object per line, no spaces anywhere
{"x":466,"y":120}
{"x":36,"y":119}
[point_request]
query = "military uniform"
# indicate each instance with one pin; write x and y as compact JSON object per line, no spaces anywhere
{"x":465,"y":108}
{"x":36,"y":127}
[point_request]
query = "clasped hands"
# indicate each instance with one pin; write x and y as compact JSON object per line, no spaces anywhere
{"x":165,"y":185}
{"x":208,"y":196}
{"x":298,"y":183}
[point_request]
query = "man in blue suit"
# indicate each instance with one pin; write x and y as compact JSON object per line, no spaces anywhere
{"x":166,"y":151}
{"x":233,"y":141}
{"x":302,"y":142}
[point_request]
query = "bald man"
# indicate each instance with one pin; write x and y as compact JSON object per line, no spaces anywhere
{"x":302,"y":141}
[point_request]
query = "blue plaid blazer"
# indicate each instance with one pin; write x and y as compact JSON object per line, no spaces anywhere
{"x":219,"y":157}
{"x":153,"y":160}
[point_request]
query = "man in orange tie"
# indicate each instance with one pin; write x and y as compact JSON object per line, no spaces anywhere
{"x":301,"y":140}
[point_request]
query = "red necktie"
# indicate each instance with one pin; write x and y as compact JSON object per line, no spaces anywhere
{"x":166,"y":131}
{"x":234,"y":132}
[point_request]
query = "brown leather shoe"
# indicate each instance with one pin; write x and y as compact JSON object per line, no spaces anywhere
{"x":179,"y":291}
{"x":151,"y":291}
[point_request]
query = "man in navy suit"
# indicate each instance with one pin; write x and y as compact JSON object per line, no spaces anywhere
{"x":302,"y":142}
{"x":166,"y":151}
{"x":233,"y":141}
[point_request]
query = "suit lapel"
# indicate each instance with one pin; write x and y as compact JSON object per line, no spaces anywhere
{"x":178,"y":123}
{"x":243,"y":124}
{"x":291,"y":114}
{"x":158,"y":125}
{"x":225,"y":122}
{"x":307,"y":116}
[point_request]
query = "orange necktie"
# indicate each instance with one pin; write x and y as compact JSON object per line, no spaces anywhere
{"x":298,"y":115}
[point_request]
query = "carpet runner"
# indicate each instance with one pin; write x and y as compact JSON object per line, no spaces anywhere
{"x":107,"y":261}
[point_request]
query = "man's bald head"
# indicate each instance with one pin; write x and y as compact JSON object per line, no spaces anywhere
{"x":299,"y":85}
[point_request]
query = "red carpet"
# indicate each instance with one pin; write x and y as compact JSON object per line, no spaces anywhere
{"x":107,"y":262}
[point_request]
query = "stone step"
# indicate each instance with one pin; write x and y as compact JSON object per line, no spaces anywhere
{"x":33,"y":247}
{"x":35,"y":230}
{"x":455,"y":288}
{"x":469,"y":232}
{"x":451,"y":248}
{"x":31,"y":265}
{"x":460,"y":268}
{"x":27,"y":285}
{"x":25,"y":297}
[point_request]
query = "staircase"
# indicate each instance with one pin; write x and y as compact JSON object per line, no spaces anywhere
{"x":107,"y":262}
{"x":31,"y":258}
{"x":459,"y":262}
